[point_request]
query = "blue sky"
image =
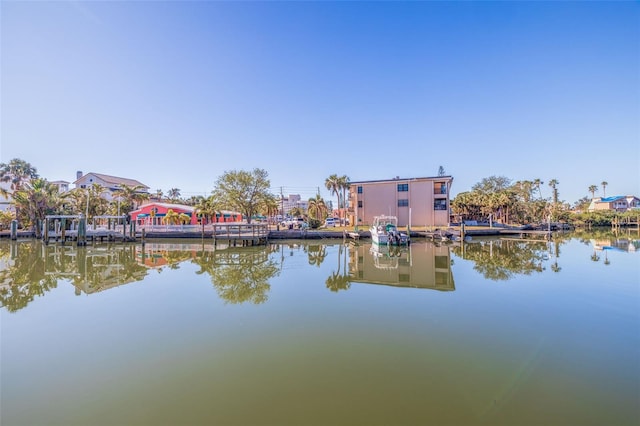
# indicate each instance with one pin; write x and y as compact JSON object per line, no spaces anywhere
{"x":174,"y":94}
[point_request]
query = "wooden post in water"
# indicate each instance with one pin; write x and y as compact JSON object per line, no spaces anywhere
{"x":63,"y":231}
{"x":82,"y":232}
{"x":46,"y":231}
{"x":14,"y":230}
{"x":143,"y":236}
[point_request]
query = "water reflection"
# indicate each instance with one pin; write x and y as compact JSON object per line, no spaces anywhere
{"x":316,"y":253}
{"x":502,"y":259}
{"x":420,"y":265}
{"x":239,"y":274}
{"x":243,"y":274}
{"x":340,"y":278}
{"x":23,"y":275}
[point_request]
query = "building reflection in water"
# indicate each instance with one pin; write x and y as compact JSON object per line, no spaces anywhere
{"x":421,"y":265}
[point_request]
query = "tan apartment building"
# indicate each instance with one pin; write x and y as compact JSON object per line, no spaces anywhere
{"x":422,"y":201}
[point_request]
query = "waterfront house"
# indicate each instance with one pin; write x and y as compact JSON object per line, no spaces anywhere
{"x":618,"y":203}
{"x":422,"y":201}
{"x":154,"y":214}
{"x":110,"y":183}
{"x":63,"y":185}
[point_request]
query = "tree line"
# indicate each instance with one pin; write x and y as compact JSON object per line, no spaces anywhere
{"x":494,"y":198}
{"x":246,"y":192}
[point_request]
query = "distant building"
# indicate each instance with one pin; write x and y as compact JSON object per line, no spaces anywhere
{"x":422,"y":201}
{"x":63,"y":185}
{"x":110,"y":183}
{"x":619,"y":203}
{"x":291,"y":202}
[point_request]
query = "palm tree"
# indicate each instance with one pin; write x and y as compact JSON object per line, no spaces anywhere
{"x":89,"y":200}
{"x":604,"y":184}
{"x":174,"y":194}
{"x":131,"y":195}
{"x":317,"y":207}
{"x":207,"y":208}
{"x":332,"y":184}
{"x":269,"y":206}
{"x":171,"y":217}
{"x":592,"y":190}
{"x":343,"y":185}
{"x":296,"y":212}
{"x":537,"y":183}
{"x":18,"y":172}
{"x":159,"y":194}
{"x":553,"y":183}
{"x":36,"y":199}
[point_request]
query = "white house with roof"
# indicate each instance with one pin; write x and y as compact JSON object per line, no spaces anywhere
{"x":110,"y":183}
{"x":619,"y":203}
{"x":63,"y":185}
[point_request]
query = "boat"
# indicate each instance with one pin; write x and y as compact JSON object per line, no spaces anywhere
{"x":388,"y":257}
{"x":384,"y":230}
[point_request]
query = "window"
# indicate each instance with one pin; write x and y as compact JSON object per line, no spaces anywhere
{"x":359,"y":204}
{"x":403,"y":187}
{"x":403,"y":203}
{"x":442,"y":262}
{"x":440,"y":188}
{"x":439,"y":204}
{"x":360,"y":189}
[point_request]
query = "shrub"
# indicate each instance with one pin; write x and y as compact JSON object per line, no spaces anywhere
{"x":314,"y":223}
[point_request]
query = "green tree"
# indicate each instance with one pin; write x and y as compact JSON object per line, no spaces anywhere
{"x":592,"y":190}
{"x":537,"y":183}
{"x":207,"y":208}
{"x":553,"y":183}
{"x":333,"y":185}
{"x":269,"y":205}
{"x":343,"y":185}
{"x":88,"y":201}
{"x":17,"y":172}
{"x":5,"y":219}
{"x":296,"y":212}
{"x":243,"y":191}
{"x":317,"y":208}
{"x":441,"y":171}
{"x":171,"y":217}
{"x":604,"y":184}
{"x":130,"y":197}
{"x":174,"y":194}
{"x":582,"y":204}
{"x":492,"y":184}
{"x":35,"y":199}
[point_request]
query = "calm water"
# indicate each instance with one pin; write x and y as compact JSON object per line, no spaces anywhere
{"x":322,"y":333}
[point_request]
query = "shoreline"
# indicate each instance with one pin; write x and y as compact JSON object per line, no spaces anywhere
{"x":290,"y":234}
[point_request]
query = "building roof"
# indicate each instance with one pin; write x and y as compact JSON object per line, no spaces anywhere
{"x":399,"y":179}
{"x":611,"y":199}
{"x":168,"y":206}
{"x":115,"y":180}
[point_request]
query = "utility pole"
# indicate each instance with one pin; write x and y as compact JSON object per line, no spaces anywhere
{"x":281,"y":202}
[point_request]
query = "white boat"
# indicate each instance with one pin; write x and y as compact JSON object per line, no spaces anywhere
{"x":384,"y":230}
